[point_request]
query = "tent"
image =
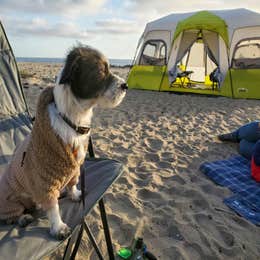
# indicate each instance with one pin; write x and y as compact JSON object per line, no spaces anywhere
{"x":206,"y":52}
{"x":97,"y":175}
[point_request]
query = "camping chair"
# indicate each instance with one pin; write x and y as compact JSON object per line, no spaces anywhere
{"x":180,"y":76}
{"x":97,"y":175}
{"x":184,"y":78}
{"x":215,"y":77}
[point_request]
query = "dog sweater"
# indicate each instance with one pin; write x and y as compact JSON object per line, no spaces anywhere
{"x":42,"y":165}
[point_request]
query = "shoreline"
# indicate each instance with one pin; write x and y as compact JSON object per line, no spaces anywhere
{"x":60,"y":64}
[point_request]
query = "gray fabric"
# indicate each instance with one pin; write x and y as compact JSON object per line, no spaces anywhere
{"x":11,"y":96}
{"x":187,"y":41}
{"x":14,"y":120}
{"x":13,"y":129}
{"x":34,"y":241}
{"x":211,"y":41}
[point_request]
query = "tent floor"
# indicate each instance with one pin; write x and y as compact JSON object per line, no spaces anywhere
{"x":195,"y":85}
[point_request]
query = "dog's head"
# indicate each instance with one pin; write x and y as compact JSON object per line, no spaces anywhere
{"x":87,"y":73}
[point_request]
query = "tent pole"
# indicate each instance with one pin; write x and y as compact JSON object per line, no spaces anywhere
{"x":186,"y":64}
{"x":135,"y":56}
{"x":230,"y":75}
{"x":206,"y":67}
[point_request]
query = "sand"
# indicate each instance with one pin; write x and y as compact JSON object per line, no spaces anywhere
{"x":162,"y":139}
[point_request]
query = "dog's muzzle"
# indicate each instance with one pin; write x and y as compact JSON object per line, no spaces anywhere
{"x":124,"y":86}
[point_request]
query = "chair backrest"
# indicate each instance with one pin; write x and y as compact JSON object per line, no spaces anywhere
{"x":15,"y":121}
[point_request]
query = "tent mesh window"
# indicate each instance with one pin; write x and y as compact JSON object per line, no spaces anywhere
{"x":247,"y":55}
{"x":154,"y":53}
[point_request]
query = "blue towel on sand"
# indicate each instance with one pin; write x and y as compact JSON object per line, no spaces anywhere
{"x":235,"y":174}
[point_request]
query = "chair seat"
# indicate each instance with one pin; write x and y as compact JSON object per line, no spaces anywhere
{"x":34,"y":241}
{"x":184,"y":73}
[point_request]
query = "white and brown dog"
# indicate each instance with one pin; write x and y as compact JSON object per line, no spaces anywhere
{"x":50,"y":157}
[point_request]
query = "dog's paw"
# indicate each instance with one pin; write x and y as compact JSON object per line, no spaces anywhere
{"x":24,"y":220}
{"x":60,"y":233}
{"x":76,"y":195}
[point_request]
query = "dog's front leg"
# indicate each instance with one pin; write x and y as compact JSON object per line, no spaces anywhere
{"x":73,"y":191}
{"x":58,"y":228}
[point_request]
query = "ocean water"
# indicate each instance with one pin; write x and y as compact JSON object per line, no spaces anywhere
{"x":115,"y":62}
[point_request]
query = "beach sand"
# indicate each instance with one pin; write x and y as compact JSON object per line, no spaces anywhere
{"x":162,"y":196}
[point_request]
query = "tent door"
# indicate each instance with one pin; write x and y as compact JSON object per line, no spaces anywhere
{"x":194,"y":62}
{"x":149,"y":71}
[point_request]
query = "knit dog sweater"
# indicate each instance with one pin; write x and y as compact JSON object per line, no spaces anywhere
{"x":42,"y":165}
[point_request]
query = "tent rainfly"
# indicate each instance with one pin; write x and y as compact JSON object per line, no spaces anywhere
{"x":205,"y":52}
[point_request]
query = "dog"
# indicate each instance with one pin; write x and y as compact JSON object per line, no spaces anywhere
{"x":49,"y":159}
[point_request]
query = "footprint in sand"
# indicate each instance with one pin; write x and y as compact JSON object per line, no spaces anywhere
{"x":147,"y":195}
{"x":152,"y":157}
{"x":163,"y":164}
{"x":175,"y":233}
{"x":175,"y":179}
{"x":173,"y":252}
{"x":154,"y":144}
{"x":122,"y":203}
{"x":227,"y":238}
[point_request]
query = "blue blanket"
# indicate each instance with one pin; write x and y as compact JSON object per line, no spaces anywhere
{"x":234,"y":173}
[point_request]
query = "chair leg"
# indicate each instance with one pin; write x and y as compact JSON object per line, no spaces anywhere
{"x":68,"y":253}
{"x":76,"y":246}
{"x":78,"y":236}
{"x":106,"y":230}
{"x":92,"y":240}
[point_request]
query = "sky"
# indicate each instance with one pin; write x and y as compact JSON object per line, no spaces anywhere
{"x":49,"y":28}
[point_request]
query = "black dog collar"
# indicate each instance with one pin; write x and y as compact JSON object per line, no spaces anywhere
{"x":79,"y":129}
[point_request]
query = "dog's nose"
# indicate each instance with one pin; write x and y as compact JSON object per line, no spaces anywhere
{"x":124,"y":86}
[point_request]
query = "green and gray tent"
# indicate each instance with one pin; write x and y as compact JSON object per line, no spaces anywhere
{"x":34,"y":241}
{"x":207,"y":52}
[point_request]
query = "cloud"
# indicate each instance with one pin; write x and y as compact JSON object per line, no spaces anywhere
{"x":154,"y":8}
{"x":116,"y":26}
{"x":66,"y":29}
{"x":129,"y":16}
{"x":60,"y":7}
{"x":41,"y":27}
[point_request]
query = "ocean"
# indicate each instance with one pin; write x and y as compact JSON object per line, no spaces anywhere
{"x":114,"y":62}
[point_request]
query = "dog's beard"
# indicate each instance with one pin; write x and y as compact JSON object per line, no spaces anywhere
{"x":114,"y":94}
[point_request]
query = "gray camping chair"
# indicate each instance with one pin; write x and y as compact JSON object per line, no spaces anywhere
{"x":34,"y":241}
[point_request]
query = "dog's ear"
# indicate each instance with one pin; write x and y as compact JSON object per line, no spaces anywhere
{"x":69,"y":70}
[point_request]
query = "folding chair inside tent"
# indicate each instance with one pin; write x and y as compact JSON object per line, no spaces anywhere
{"x":34,"y":241}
